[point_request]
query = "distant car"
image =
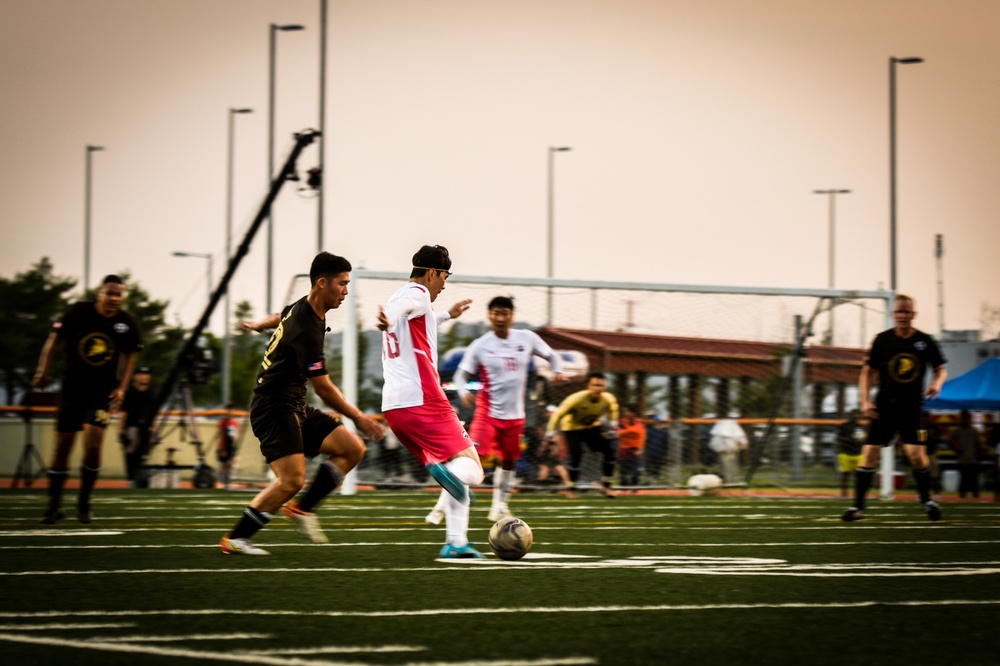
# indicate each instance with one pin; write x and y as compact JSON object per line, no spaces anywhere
{"x":574,"y":363}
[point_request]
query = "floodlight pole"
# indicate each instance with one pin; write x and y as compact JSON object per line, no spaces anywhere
{"x":551,"y":228}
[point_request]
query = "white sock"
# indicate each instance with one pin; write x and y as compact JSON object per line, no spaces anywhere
{"x":456,"y":520}
{"x":441,"y":504}
{"x":501,"y":487}
{"x":456,"y":513}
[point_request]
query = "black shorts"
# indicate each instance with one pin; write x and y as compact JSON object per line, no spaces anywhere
{"x":224,"y":455}
{"x":77,"y":411}
{"x":284,"y":430}
{"x":593,"y":437}
{"x":896,"y":418}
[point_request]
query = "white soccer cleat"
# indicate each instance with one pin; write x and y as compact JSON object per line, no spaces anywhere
{"x":434,"y":517}
{"x":498,"y":512}
{"x":240,"y":547}
{"x":305,"y":521}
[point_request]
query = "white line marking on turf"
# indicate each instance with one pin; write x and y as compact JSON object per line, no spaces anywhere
{"x":540,"y":564}
{"x":340,"y":649}
{"x":248,"y":658}
{"x":46,"y":533}
{"x":430,"y":612}
{"x":133,"y":648}
{"x":46,"y":627}
{"x":175,"y":639}
{"x":380,"y":544}
{"x":826,"y":572}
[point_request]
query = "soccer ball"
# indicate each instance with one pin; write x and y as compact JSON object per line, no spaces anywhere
{"x":510,"y":538}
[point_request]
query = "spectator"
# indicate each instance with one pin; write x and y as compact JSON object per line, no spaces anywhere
{"x":850,"y":441}
{"x":135,"y":426}
{"x":657,"y":441}
{"x":225,"y":447}
{"x":727,"y":440}
{"x":631,"y":446}
{"x":933,"y":444}
{"x":391,"y":458}
{"x":994,"y":443}
{"x":965,"y":441}
{"x":548,"y":456}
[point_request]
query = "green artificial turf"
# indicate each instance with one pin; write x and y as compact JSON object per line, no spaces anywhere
{"x":634,"y":580}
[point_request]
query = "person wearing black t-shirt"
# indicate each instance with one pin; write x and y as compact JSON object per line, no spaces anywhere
{"x":134,"y":426}
{"x":101,"y":342}
{"x":288,"y":429}
{"x":898,"y":359}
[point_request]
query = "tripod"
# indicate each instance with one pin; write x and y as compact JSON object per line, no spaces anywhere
{"x":204,"y":476}
{"x":29,"y":454}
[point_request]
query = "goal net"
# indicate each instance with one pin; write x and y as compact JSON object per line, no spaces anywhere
{"x":783,"y":363}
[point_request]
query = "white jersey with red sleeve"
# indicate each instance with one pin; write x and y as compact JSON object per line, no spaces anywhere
{"x":409,"y":350}
{"x":502,"y":366}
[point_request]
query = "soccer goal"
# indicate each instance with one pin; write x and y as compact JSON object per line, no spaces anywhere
{"x":782,"y":362}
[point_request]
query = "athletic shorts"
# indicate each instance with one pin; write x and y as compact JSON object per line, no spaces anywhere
{"x":77,"y":411}
{"x":284,"y":430}
{"x":592,"y":437}
{"x":499,"y":436}
{"x":848,"y":463}
{"x":432,"y":432}
{"x":893,"y":419}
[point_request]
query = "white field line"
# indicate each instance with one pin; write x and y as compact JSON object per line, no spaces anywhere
{"x":554,"y":610}
{"x":176,"y":639}
{"x":215,"y":545}
{"x":341,"y":649}
{"x":589,"y":544}
{"x":268,"y":660}
{"x":79,"y":625}
{"x":932,"y":568}
{"x":756,"y":527}
{"x":133,"y":648}
{"x":824,"y":572}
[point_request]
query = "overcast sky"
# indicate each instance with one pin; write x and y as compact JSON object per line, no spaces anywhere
{"x":699,"y":131}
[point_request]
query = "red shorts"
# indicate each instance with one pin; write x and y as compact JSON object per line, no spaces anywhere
{"x":432,"y":433}
{"x":500,"y":436}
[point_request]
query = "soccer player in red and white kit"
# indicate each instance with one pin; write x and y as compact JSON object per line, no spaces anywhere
{"x":413,"y":402}
{"x":500,"y":359}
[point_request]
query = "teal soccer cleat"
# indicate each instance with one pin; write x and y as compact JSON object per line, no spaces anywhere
{"x":461,"y":552}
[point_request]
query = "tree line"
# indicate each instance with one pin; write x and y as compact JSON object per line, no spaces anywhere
{"x":32,"y":301}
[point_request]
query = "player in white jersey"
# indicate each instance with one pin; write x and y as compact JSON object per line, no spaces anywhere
{"x":413,"y":402}
{"x":500,"y":359}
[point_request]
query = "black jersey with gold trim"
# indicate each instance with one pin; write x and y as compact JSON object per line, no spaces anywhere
{"x":94,"y":345}
{"x":902,"y":364}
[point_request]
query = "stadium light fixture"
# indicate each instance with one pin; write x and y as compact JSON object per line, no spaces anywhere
{"x":86,"y":215}
{"x":274,"y":29}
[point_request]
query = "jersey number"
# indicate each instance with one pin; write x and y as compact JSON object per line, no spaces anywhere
{"x":272,"y":344}
{"x":391,"y":345}
{"x":510,"y":364}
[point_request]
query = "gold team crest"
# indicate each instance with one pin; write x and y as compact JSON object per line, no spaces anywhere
{"x":904,"y":368}
{"x":96,"y":349}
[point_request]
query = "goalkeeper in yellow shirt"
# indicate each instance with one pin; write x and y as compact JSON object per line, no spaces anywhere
{"x":588,"y":417}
